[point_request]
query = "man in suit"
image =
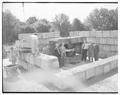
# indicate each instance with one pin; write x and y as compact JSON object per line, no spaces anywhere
{"x":91,"y":52}
{"x":96,"y":52}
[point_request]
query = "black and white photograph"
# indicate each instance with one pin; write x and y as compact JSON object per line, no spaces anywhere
{"x":59,"y":47}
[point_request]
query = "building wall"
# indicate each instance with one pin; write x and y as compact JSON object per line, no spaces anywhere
{"x":107,"y":40}
{"x":91,"y":70}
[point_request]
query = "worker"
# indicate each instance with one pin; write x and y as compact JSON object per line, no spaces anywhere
{"x":96,"y":52}
{"x":91,"y":52}
{"x":57,"y":53}
{"x":34,"y":43}
{"x":63,"y":50}
{"x":34,"y":47}
{"x":84,"y":51}
{"x":12,"y":55}
{"x":57,"y":49}
{"x":62,"y":54}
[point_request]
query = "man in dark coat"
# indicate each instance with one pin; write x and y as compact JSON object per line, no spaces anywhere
{"x":91,"y":52}
{"x":96,"y":52}
{"x":57,"y":53}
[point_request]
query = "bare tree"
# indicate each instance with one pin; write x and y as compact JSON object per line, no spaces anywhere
{"x":62,"y":24}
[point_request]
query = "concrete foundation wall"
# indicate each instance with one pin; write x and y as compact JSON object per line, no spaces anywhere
{"x":107,"y":40}
{"x":40,"y":35}
{"x":90,"y":70}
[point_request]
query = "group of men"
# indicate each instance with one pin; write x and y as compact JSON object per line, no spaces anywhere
{"x":91,"y":51}
{"x":60,"y":52}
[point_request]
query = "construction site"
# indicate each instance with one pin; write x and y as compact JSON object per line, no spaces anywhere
{"x":42,"y":55}
{"x":42,"y":72}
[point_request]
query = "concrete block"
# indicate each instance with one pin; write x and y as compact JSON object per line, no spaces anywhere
{"x":101,"y":47}
{"x":74,"y":40}
{"x":72,"y":34}
{"x":104,"y":48}
{"x":103,"y":41}
{"x":57,"y":34}
{"x":24,"y":36}
{"x":47,"y":62}
{"x":116,"y":41}
{"x":93,"y":40}
{"x":89,"y":39}
{"x":114,"y":48}
{"x":79,"y":33}
{"x":107,"y":48}
{"x":99,"y":70}
{"x":75,"y":33}
{"x":90,"y":73}
{"x":110,"y":41}
{"x":113,"y":65}
{"x":79,"y":39}
{"x":92,"y":33}
{"x":79,"y":75}
{"x":106,"y":33}
{"x":86,"y":33}
{"x":103,"y":54}
{"x":106,"y":68}
{"x":114,"y":33}
{"x":97,"y":40}
{"x":112,"y":53}
{"x":40,"y":35}
{"x":98,"y":33}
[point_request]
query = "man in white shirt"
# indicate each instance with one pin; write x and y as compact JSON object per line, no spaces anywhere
{"x":84,"y":51}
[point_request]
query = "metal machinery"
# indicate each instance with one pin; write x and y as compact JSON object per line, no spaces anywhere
{"x":73,"y":46}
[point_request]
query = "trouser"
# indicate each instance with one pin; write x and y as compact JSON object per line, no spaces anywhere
{"x":84,"y":54}
{"x":62,"y":61}
{"x":90,"y":58}
{"x":96,"y":57}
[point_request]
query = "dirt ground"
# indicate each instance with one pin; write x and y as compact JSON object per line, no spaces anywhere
{"x":39,"y":81}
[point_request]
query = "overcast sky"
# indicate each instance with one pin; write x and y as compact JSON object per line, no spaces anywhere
{"x":49,"y":10}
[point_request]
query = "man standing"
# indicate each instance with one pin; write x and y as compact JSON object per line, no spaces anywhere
{"x":91,"y":52}
{"x":62,"y":50}
{"x":34,"y":42}
{"x":12,"y":56}
{"x":57,"y":53}
{"x":96,"y":52}
{"x":84,"y":51}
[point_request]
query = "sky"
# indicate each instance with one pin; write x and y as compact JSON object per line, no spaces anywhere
{"x":49,"y":10}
